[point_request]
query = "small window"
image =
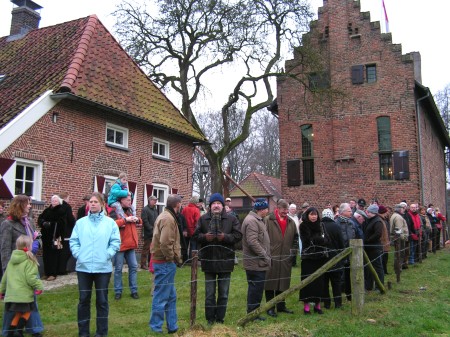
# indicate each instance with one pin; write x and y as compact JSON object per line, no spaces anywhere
{"x":160,"y":192}
{"x":116,"y":136}
{"x":293,"y":172}
{"x":357,"y":74}
{"x":384,"y":133}
{"x":371,"y":73}
{"x":109,"y":181}
{"x":307,"y":154}
{"x":320,"y":80}
{"x":160,"y":148}
{"x":28,"y":178}
{"x":386,"y":171}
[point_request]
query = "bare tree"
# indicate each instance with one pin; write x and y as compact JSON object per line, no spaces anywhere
{"x":442,"y":98}
{"x":186,"y":39}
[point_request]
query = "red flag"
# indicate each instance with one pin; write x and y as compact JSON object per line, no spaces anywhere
{"x":386,"y":20}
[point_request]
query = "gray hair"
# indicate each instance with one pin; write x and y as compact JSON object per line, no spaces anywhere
{"x":282,"y":203}
{"x":60,"y":201}
{"x":173,"y":200}
{"x":343,"y":206}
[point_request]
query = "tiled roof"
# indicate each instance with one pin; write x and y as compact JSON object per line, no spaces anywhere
{"x":82,"y":58}
{"x":258,"y":185}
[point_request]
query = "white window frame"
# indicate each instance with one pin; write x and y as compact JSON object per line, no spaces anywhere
{"x":160,"y":187}
{"x":116,"y":128}
{"x":109,"y":180}
{"x":160,"y":141}
{"x":37,"y":179}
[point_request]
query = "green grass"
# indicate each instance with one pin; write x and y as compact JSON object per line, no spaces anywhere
{"x":404,"y":311}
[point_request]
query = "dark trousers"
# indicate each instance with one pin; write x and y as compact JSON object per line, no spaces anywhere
{"x":334,"y":276}
{"x":375,"y":256}
{"x":347,"y":283}
{"x":145,"y":253}
{"x":85,"y":282}
{"x":53,"y":259}
{"x":270,"y":294}
{"x":215,"y":309}
{"x":435,"y":240}
{"x":384,"y":260}
{"x":255,"y":280}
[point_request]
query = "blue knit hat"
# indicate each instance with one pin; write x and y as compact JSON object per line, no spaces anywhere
{"x":216,"y":197}
{"x":260,"y":204}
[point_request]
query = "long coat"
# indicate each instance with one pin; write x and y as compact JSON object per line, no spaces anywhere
{"x":279,"y":275}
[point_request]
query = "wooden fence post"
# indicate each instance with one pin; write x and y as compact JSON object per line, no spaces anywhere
{"x":194,"y":269}
{"x":397,"y":257}
{"x":357,"y":275}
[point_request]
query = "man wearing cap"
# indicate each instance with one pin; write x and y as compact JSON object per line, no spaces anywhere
{"x":149,"y":214}
{"x":166,"y":256}
{"x":282,"y":233}
{"x":305,"y":206}
{"x":256,"y":251}
{"x":372,"y":245}
{"x":217,"y":232}
{"x":399,"y":228}
{"x":229,"y":209}
{"x":83,"y":210}
{"x":191,"y":214}
{"x":361,"y":204}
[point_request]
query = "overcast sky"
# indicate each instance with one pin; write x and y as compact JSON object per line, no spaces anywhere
{"x":418,"y":25}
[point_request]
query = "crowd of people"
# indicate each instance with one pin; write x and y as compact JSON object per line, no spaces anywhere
{"x":105,"y":235}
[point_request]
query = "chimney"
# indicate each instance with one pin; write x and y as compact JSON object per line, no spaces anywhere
{"x":24,"y":17}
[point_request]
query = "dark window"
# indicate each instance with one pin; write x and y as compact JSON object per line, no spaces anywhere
{"x":371,"y":73}
{"x":358,"y":74}
{"x":320,"y":80}
{"x":307,"y":154}
{"x":385,"y":148}
{"x":401,"y":165}
{"x":24,"y":183}
{"x":293,"y":172}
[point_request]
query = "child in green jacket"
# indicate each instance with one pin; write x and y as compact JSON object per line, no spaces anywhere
{"x":19,"y":284}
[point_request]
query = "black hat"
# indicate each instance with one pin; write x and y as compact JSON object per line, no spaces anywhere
{"x":362,"y":202}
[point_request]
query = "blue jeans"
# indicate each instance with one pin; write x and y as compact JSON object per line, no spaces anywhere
{"x":85,"y":282}
{"x":164,"y":298}
{"x":255,"y":280}
{"x":215,"y":310}
{"x":412,"y":251}
{"x":34,"y":323}
{"x":130,"y":257}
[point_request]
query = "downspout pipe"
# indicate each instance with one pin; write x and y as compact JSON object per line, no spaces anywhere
{"x":420,"y":144}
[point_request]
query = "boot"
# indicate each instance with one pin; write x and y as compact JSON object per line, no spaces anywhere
{"x":11,"y":331}
{"x":20,"y":327}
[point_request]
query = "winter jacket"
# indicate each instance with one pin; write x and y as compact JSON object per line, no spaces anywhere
{"x":149,"y":215}
{"x":192,"y":214}
{"x":117,"y":191}
{"x":255,"y":243}
{"x":373,"y":233}
{"x":57,"y":221}
{"x":398,"y":223}
{"x":10,"y":231}
{"x":94,"y":241}
{"x":386,"y":242}
{"x":313,"y":240}
{"x":335,"y":239}
{"x":279,"y":275}
{"x":128,"y":232}
{"x":414,"y":224}
{"x":217,"y":256}
{"x":20,"y":279}
{"x":166,"y":238}
{"x":348,"y":229}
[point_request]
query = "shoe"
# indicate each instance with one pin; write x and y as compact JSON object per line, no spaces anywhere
{"x":51,"y":278}
{"x":220,"y":321}
{"x":306,"y":312}
{"x":135,"y":296}
{"x":172,"y":331}
{"x":210,"y":322}
{"x":327,"y":306}
{"x":285,"y":310}
{"x":318,"y":311}
{"x":338,"y":306}
{"x":118,"y":296}
{"x":271,"y":313}
{"x":259,"y":318}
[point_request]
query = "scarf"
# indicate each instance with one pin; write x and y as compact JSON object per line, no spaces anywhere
{"x":281,"y":222}
{"x":26,"y":223}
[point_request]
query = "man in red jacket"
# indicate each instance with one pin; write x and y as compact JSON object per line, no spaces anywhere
{"x":192,"y":215}
{"x":129,"y":243}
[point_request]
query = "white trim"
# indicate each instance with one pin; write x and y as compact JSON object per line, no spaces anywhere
{"x":165,"y":188}
{"x":26,"y":119}
{"x":120,"y":129}
{"x":108,"y":179}
{"x":37,"y":182}
{"x":162,"y":142}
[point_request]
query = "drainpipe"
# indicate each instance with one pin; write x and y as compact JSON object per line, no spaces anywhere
{"x":420,"y":144}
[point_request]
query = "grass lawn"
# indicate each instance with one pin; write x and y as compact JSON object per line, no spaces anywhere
{"x":417,"y":306}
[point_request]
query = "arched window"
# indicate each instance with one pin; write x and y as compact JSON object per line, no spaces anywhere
{"x":307,"y":154}
{"x":385,"y":148}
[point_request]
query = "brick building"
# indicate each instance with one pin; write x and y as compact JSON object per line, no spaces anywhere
{"x":361,"y":124}
{"x":76,"y":110}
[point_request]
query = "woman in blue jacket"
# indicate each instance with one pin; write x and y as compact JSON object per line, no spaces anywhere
{"x":94,"y":241}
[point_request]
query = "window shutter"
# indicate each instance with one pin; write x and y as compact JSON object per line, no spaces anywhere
{"x":358,"y":74}
{"x":148,"y":190}
{"x":7,"y":177}
{"x":174,"y":191}
{"x":293,"y":172}
{"x":99,"y":184}
{"x":401,"y":165}
{"x":132,"y":187}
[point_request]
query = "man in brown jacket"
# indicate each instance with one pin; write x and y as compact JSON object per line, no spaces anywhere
{"x":166,"y":256}
{"x":282,"y":232}
{"x":256,"y":251}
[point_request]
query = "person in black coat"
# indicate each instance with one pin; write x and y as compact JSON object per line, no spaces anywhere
{"x":217,"y":233}
{"x":373,"y":246}
{"x":335,"y":244}
{"x":83,"y":210}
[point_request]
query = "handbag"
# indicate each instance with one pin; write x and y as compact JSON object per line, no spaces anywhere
{"x":56,"y":242}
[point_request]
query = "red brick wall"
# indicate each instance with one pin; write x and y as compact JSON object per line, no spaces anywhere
{"x":84,"y":126}
{"x":344,"y":119}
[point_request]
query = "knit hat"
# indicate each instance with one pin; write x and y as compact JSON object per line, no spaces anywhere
{"x":382,"y":209}
{"x":404,"y":204}
{"x":216,"y":197}
{"x":398,"y":206}
{"x":260,"y":204}
{"x":327,"y":213}
{"x":373,"y":209}
{"x":364,"y":215}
